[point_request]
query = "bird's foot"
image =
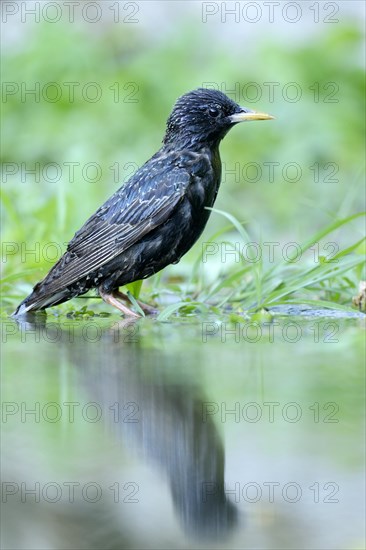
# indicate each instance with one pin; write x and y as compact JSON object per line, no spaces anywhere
{"x":146,"y":308}
{"x":111,"y":299}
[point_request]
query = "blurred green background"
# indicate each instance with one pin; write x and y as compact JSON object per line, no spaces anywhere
{"x":139,"y":65}
{"x":139,"y":69}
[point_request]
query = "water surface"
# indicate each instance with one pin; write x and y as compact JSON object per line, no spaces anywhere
{"x":197,"y":433}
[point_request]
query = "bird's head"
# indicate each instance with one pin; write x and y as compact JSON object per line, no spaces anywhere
{"x":204,"y":116}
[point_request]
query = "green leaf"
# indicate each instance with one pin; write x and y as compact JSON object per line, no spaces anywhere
{"x":135,"y":288}
{"x":135,"y":303}
{"x":173,"y":308}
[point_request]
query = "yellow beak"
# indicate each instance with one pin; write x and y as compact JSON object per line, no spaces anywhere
{"x":250,"y":115}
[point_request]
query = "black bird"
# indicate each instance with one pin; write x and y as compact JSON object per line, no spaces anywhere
{"x":156,"y":216}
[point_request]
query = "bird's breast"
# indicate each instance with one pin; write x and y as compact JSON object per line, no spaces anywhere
{"x":205,"y":180}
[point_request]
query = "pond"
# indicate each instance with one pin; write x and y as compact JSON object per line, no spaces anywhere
{"x":192,"y":433}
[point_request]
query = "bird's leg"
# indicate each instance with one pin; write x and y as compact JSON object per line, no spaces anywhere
{"x":111,"y":299}
{"x":146,"y":308}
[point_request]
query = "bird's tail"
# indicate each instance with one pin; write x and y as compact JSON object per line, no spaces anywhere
{"x":38,"y":300}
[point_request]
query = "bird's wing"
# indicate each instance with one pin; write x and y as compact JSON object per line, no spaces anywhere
{"x":145,"y":202}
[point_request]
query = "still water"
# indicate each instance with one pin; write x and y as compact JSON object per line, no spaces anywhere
{"x":195,"y":433}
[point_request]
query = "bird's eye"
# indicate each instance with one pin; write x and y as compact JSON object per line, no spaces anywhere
{"x":214,"y":111}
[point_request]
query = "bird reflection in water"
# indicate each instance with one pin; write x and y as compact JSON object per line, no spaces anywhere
{"x":170,"y":430}
{"x":166,"y":425}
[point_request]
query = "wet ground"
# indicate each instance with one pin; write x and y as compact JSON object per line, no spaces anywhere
{"x":194,"y":433}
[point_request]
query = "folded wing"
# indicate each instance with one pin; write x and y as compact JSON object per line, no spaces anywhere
{"x":146,"y":201}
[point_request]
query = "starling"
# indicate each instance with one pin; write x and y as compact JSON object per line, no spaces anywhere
{"x":156,"y":216}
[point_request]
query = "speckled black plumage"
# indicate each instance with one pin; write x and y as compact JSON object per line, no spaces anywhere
{"x":156,"y":216}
